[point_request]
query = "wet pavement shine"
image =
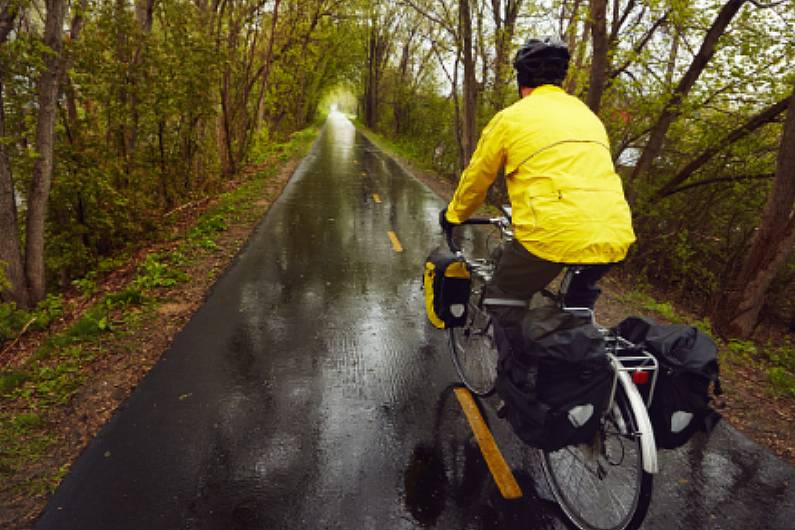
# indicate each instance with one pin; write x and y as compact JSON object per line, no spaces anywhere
{"x":309,"y":392}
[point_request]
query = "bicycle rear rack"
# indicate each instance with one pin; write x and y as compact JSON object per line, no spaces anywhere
{"x":628,"y":357}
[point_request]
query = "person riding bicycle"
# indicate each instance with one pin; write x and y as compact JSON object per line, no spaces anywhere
{"x":567,"y":200}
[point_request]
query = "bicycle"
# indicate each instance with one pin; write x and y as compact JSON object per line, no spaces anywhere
{"x":605,"y":485}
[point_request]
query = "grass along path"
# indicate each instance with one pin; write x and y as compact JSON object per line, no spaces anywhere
{"x":61,"y":386}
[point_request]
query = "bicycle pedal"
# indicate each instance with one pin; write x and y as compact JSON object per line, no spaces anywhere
{"x":502,"y":410}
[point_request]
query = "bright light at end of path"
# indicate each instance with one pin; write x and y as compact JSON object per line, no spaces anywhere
{"x":333,"y":107}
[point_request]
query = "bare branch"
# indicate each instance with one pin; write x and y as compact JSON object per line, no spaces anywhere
{"x":762,"y":5}
{"x":640,"y":45}
{"x":620,"y":22}
{"x":430,"y":16}
{"x":707,"y":182}
{"x":752,"y":124}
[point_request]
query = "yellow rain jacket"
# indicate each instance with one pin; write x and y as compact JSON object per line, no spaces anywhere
{"x":568,"y":202}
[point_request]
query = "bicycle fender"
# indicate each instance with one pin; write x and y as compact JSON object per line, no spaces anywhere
{"x":647,"y":444}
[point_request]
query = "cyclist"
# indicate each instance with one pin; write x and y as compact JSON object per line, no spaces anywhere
{"x":567,"y":200}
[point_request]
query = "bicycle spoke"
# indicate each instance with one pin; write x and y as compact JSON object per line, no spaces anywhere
{"x":595,"y":492}
{"x":473,"y":349}
{"x":584,"y":463}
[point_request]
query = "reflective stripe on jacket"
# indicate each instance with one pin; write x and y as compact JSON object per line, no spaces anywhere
{"x":568,"y":202}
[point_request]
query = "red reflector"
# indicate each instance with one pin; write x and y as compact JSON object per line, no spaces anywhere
{"x":639,"y":377}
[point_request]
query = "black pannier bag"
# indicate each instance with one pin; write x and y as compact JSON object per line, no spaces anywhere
{"x":554,"y":378}
{"x":688,"y":364}
{"x":446,"y":282}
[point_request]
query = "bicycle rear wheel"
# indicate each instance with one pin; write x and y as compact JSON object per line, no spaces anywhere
{"x":474,"y":349}
{"x":603,"y":486}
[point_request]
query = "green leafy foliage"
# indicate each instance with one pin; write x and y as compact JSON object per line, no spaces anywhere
{"x":87,"y":285}
{"x":20,"y":445}
{"x":161,"y":109}
{"x":13,"y":319}
{"x":11,"y":380}
{"x":782,"y":355}
{"x":4,"y":282}
{"x":781,"y":380}
{"x":744,"y":350}
{"x":154,"y":273}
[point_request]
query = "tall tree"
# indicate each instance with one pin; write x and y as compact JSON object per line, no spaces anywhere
{"x":469,"y":114}
{"x":39,"y":191}
{"x":266,"y":65}
{"x":738,"y":309}
{"x":504,"y":14}
{"x":11,"y":266}
{"x":379,"y":45}
{"x":599,"y":62}
{"x":671,"y":109}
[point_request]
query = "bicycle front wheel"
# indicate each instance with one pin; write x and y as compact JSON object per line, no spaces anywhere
{"x":474,"y":350}
{"x":603,"y":486}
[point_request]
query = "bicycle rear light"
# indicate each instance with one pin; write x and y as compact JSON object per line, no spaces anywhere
{"x":640,"y":377}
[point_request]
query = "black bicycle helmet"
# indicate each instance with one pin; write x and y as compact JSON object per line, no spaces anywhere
{"x":541,"y":61}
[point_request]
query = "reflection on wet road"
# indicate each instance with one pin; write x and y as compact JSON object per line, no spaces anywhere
{"x":318,"y":397}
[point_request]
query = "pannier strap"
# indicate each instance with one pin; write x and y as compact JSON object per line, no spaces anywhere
{"x":505,"y":301}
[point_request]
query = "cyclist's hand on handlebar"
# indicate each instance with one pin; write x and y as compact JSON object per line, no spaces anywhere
{"x":446,"y":225}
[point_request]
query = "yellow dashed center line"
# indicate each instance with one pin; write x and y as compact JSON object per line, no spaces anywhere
{"x":505,"y":480}
{"x":396,"y":246}
{"x":377,"y":198}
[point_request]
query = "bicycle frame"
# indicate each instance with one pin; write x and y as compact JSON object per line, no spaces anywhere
{"x":622,"y":365}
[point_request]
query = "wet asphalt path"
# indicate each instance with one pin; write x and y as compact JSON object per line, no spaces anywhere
{"x":309,"y":392}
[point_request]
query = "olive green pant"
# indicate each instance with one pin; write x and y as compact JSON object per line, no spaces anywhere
{"x":520,"y":274}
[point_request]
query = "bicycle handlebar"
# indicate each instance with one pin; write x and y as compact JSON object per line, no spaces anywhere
{"x":474,"y":221}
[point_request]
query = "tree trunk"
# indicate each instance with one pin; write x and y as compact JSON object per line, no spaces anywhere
{"x":11,"y":267}
{"x":671,"y":109}
{"x":599,"y":66}
{"x":673,"y":55}
{"x":371,"y":82}
{"x":738,"y":310}
{"x":70,"y":93}
{"x":579,"y":58}
{"x":41,"y":180}
{"x":120,"y":130}
{"x":403,"y":93}
{"x":10,"y":255}
{"x":505,"y":26}
{"x":468,"y":132}
{"x":8,"y":13}
{"x":143,"y":15}
{"x":266,"y":68}
{"x":228,"y":165}
{"x":457,"y":111}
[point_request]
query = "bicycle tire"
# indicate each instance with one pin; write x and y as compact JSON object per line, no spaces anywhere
{"x":599,"y":507}
{"x":473,"y":348}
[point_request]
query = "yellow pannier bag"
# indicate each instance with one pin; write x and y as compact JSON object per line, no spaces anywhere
{"x":446,"y":284}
